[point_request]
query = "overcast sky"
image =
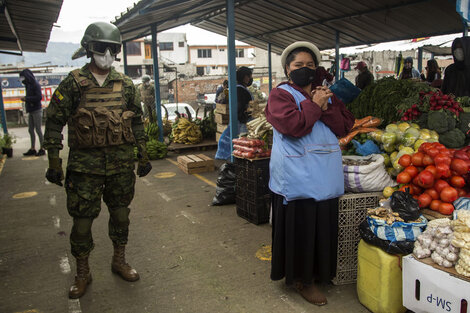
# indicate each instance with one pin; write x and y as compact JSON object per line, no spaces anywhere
{"x":76,"y":15}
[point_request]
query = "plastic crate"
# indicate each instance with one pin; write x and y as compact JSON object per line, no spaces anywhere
{"x":352,"y":210}
{"x":253,"y":198}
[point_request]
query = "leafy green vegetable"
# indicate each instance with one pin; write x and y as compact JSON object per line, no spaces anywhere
{"x":453,"y":139}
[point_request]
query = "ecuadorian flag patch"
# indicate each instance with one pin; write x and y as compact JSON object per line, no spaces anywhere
{"x":57,"y":97}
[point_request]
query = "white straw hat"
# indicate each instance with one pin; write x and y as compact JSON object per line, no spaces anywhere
{"x":299,"y":44}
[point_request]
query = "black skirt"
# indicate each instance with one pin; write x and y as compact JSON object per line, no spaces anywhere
{"x":305,"y":240}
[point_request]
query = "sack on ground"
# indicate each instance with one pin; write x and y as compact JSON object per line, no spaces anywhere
{"x":225,"y":190}
{"x":398,"y":231}
{"x":365,"y":178}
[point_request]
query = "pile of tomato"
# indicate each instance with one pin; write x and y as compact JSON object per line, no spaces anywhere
{"x":436,"y":176}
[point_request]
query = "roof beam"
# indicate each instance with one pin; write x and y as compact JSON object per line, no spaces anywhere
{"x":12,"y":26}
{"x":162,"y":6}
{"x":338,"y":18}
{"x":7,"y":39}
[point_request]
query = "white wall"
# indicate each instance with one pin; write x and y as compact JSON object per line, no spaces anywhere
{"x":179,"y":54}
{"x":219,"y":58}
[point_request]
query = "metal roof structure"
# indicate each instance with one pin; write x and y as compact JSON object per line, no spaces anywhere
{"x":26,"y":25}
{"x":259,"y":22}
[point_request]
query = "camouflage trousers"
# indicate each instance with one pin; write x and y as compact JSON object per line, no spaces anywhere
{"x":84,"y":193}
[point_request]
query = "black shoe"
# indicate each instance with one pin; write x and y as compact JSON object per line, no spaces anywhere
{"x":41,"y":152}
{"x":30,"y":152}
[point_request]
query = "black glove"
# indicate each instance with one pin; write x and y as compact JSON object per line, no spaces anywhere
{"x":143,"y":169}
{"x":54,"y":173}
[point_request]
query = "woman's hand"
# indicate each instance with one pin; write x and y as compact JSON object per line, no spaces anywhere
{"x":320,"y":96}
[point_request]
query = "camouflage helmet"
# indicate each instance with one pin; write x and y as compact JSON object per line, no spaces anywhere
{"x":145,"y":78}
{"x":97,"y":36}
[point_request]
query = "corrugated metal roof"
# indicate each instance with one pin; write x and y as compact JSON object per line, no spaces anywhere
{"x":280,"y":23}
{"x":26,"y":25}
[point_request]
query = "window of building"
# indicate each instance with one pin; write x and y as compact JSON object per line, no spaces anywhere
{"x":165,"y":46}
{"x":200,"y":70}
{"x":239,"y":53}
{"x":204,"y":53}
{"x":181,"y":44}
{"x":148,"y":51}
{"x":214,"y":67}
{"x":221,"y":49}
{"x":133,"y":48}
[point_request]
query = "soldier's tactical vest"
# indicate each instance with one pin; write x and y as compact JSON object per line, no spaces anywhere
{"x":147,"y":95}
{"x":101,"y":118}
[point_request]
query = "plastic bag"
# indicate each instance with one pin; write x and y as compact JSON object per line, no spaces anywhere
{"x":397,"y":231}
{"x":224,"y":146}
{"x":225,"y":190}
{"x":345,"y":90}
{"x":367,"y":148}
{"x":404,"y":204}
{"x":398,"y":247}
{"x":462,"y":203}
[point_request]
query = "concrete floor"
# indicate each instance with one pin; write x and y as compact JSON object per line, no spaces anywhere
{"x":192,"y":257}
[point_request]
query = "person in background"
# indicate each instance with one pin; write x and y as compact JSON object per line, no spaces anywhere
{"x":221,"y":89}
{"x":457,"y":75}
{"x":433,"y":74}
{"x":306,"y":175}
{"x":102,"y":110}
{"x":408,"y":70}
{"x":33,"y":107}
{"x":244,"y":96}
{"x":364,"y":77}
{"x":147,"y":95}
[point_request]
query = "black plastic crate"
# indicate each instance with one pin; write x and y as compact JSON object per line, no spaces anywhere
{"x":253,"y":195}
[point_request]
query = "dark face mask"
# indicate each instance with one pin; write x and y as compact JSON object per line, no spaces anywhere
{"x":302,"y":76}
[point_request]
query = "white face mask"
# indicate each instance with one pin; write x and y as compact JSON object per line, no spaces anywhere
{"x":105,"y":61}
{"x":458,"y":54}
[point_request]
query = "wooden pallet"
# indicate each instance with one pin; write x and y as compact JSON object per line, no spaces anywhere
{"x":222,"y":108}
{"x":195,"y":163}
{"x":222,"y":118}
{"x":206,"y":144}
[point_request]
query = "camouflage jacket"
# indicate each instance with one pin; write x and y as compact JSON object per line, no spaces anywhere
{"x":101,"y":161}
{"x":147,"y":94}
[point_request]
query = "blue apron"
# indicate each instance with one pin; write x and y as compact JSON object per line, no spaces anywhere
{"x":306,"y":167}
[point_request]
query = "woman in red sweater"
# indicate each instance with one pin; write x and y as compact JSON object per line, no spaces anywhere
{"x":305,"y":173}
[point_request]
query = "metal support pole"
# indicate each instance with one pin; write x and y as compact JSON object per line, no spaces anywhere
{"x":270,"y":68}
{"x":2,"y":112}
{"x":156,"y":79}
{"x":176,"y":86}
{"x":465,"y":28}
{"x":336,"y":57}
{"x":341,"y":59}
{"x":124,"y":56}
{"x":420,"y":59}
{"x":432,"y":55}
{"x":232,"y":71}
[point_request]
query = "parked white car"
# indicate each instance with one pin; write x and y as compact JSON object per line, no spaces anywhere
{"x":180,"y":107}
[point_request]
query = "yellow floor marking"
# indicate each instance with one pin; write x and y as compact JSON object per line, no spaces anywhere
{"x":29,"y":311}
{"x":23,"y":195}
{"x":205,"y":180}
{"x":2,"y":161}
{"x":196,"y":175}
{"x":30,"y":158}
{"x":164,"y":175}
{"x":264,"y":253}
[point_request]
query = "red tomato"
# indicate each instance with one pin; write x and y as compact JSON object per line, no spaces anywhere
{"x":443,"y":170}
{"x":415,"y":197}
{"x":460,"y":154}
{"x":461,"y":192}
{"x":457,"y":181}
{"x":439,"y":146}
{"x":404,"y":187}
{"x":405,"y":160}
{"x":442,"y":158}
{"x":424,"y":200}
{"x":425,"y":179}
{"x":416,"y":189}
{"x":432,"y":152}
{"x":460,"y":166}
{"x":424,"y":147}
{"x":412,"y":170}
{"x":435,"y":205}
{"x":446,"y":208}
{"x":403,"y":178}
{"x":452,"y":152}
{"x":449,"y":194}
{"x":417,"y":159}
{"x":439,"y":185}
{"x":427,"y":160}
{"x":433,"y":193}
{"x":415,"y":180}
{"x":433,"y":170}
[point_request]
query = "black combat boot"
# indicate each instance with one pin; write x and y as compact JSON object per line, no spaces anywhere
{"x":120,"y":267}
{"x":30,"y":152}
{"x":82,"y":279}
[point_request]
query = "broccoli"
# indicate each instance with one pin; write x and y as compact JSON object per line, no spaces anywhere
{"x":441,"y":122}
{"x":453,"y":139}
{"x":464,"y":124}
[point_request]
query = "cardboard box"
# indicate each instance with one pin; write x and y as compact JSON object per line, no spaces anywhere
{"x":222,"y":118}
{"x":221,"y":128}
{"x":428,"y":289}
{"x":222,"y":108}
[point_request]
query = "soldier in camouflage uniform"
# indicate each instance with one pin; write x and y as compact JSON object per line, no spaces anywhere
{"x":147,"y":94}
{"x":101,"y":108}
